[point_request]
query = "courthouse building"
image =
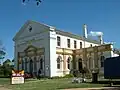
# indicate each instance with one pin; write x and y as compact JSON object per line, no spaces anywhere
{"x":55,"y":52}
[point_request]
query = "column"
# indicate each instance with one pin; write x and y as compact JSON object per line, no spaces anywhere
{"x":52,"y":53}
{"x":95,"y":57}
{"x":74,"y":62}
{"x":64,"y":62}
{"x":84,"y":60}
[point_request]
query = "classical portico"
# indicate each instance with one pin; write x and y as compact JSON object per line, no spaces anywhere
{"x":93,"y":59}
{"x":31,"y":60}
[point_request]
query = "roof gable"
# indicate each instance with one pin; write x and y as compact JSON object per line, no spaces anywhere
{"x":30,"y":48}
{"x":30,"y":28}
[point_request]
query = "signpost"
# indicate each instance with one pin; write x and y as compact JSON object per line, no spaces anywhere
{"x":17,"y":77}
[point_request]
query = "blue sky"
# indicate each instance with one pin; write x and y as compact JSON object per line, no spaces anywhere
{"x":68,"y":15}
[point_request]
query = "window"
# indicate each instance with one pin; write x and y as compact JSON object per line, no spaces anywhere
{"x":31,"y":66}
{"x":58,"y":41}
{"x":68,"y":43}
{"x":22,"y":64}
{"x":90,"y":45}
{"x":25,"y":64}
{"x":41,"y":63}
{"x":30,"y":28}
{"x":80,"y":44}
{"x":102,"y":61}
{"x":68,"y":62}
{"x":58,"y":62}
{"x":35,"y":64}
{"x":75,"y":44}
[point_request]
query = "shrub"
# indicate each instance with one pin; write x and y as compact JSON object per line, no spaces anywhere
{"x":68,"y":76}
{"x":27,"y":75}
{"x":55,"y":77}
{"x":88,"y":75}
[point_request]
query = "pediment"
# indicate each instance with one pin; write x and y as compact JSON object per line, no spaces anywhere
{"x":31,"y":28}
{"x":30,"y":48}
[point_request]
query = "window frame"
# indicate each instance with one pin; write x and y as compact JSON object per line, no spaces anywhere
{"x":35,"y":63}
{"x":58,"y":41}
{"x":68,"y":62}
{"x":68,"y":43}
{"x":58,"y":63}
{"x":75,"y":44}
{"x":80,"y":44}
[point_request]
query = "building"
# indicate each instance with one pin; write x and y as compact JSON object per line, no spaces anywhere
{"x":56,"y":52}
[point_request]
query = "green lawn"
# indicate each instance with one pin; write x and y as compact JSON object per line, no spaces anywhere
{"x":48,"y":84}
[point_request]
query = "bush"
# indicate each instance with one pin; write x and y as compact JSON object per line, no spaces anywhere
{"x":27,"y":75}
{"x":68,"y":76}
{"x":88,"y":75}
{"x":55,"y":77}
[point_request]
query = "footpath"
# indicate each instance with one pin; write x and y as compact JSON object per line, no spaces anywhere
{"x":102,"y":88}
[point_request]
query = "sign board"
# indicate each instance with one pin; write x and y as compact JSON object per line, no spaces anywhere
{"x":17,"y":77}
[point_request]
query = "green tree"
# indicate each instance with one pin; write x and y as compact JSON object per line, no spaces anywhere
{"x":7,"y":62}
{"x":2,"y":51}
{"x":7,"y":67}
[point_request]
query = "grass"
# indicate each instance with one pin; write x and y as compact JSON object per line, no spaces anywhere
{"x":46,"y":84}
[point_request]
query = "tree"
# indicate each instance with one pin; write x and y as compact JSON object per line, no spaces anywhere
{"x":7,"y":62}
{"x":37,"y":1}
{"x":7,"y":67}
{"x":2,"y":51}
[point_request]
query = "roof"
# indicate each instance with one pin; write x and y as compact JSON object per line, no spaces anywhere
{"x":76,"y":36}
{"x":64,"y":33}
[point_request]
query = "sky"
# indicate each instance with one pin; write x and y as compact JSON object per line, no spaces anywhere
{"x":67,"y":15}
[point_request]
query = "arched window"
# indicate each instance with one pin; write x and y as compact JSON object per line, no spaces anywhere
{"x":35,"y":64}
{"x":41,"y":63}
{"x":31,"y":66}
{"x":102,"y":58}
{"x":58,"y":62}
{"x":68,"y":62}
{"x":25,"y":64}
{"x":22,"y":64}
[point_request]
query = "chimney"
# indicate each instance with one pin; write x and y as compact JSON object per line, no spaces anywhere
{"x":85,"y":30}
{"x":100,"y":37}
